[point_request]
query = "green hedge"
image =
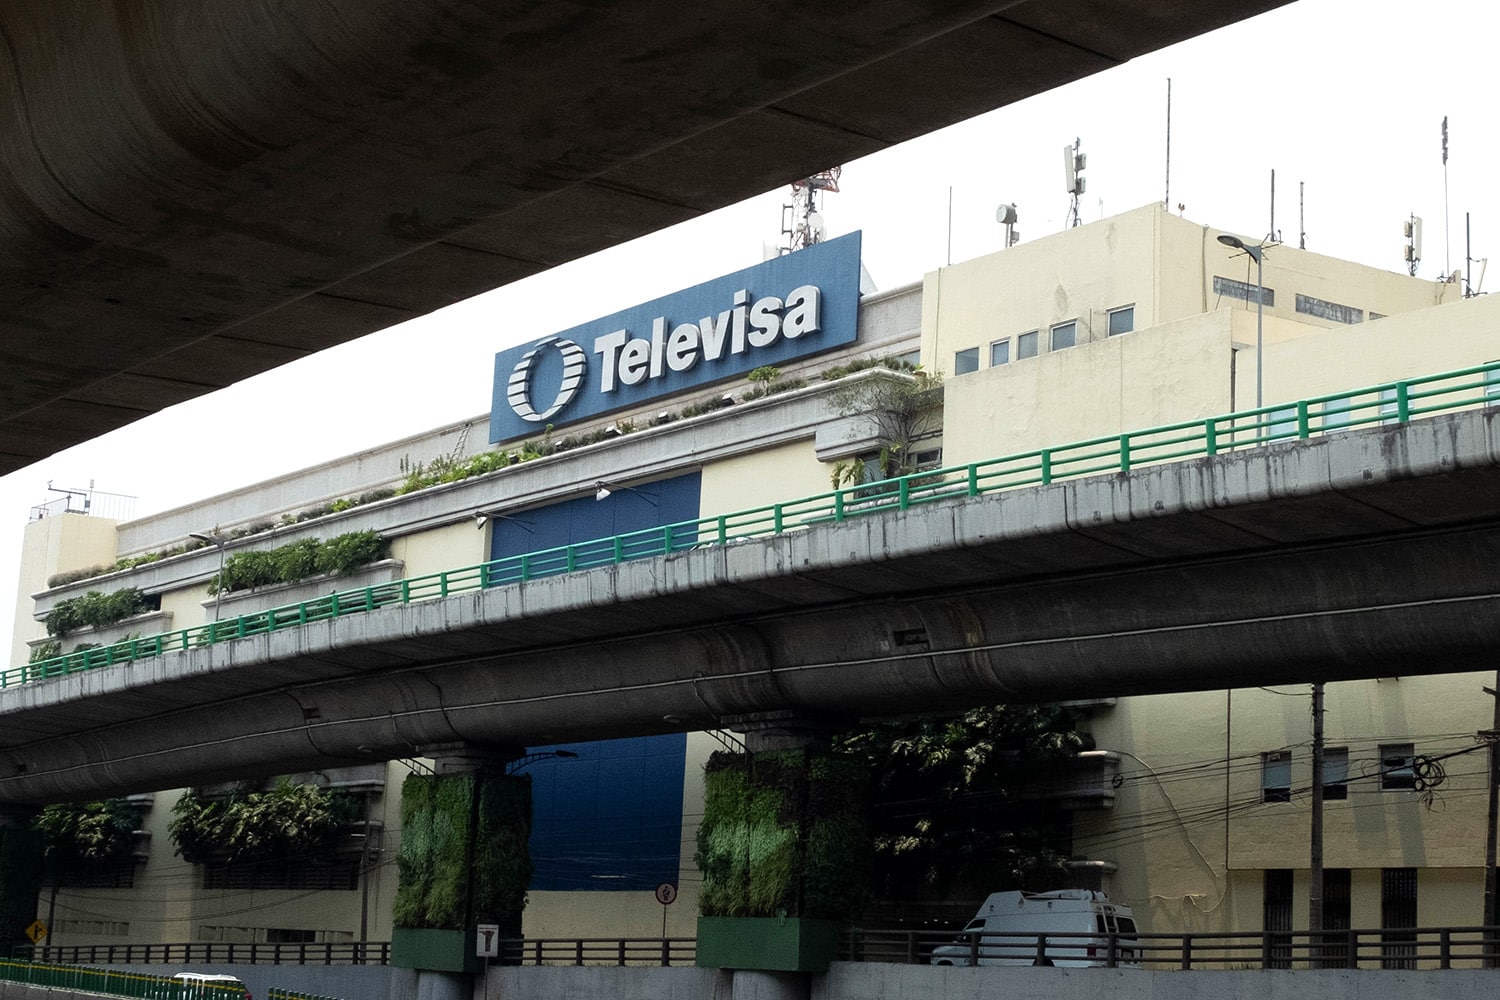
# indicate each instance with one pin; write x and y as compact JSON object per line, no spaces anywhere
{"x":96,"y":609}
{"x":441,"y":866}
{"x":338,"y":556}
{"x":783,"y":834}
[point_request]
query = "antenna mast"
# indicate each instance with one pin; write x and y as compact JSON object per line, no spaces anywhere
{"x":1447,"y":237}
{"x":1073,"y":179}
{"x":1166,"y":199}
{"x":801,"y":222}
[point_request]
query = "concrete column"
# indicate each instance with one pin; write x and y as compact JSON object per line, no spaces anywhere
{"x":463,"y":860}
{"x":20,"y":873}
{"x":774,"y":915}
{"x":751,"y":985}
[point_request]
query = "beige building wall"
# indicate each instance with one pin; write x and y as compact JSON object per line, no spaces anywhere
{"x":54,"y":545}
{"x":452,"y":546}
{"x":762,"y":478}
{"x":1191,"y":834}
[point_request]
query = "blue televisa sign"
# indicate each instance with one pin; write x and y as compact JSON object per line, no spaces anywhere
{"x":790,"y":307}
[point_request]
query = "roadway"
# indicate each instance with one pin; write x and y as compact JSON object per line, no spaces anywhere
{"x":1369,"y":553}
{"x":196,"y":191}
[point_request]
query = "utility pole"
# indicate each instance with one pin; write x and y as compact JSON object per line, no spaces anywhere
{"x":1315,"y":874}
{"x":1491,"y":904}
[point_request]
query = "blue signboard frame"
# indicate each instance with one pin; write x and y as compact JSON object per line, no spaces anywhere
{"x":790,"y":307}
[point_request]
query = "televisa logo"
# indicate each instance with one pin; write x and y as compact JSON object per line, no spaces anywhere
{"x":790,"y":307}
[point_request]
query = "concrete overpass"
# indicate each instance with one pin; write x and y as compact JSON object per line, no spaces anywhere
{"x":1364,"y":554}
{"x":195,"y":191}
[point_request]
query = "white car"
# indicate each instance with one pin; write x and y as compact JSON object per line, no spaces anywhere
{"x":1076,"y":922}
{"x":205,"y":986}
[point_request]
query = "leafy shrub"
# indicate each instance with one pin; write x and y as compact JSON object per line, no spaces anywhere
{"x":96,"y":609}
{"x":285,"y":821}
{"x":340,"y":556}
{"x":297,"y":560}
{"x":45,"y":651}
{"x":87,"y":832}
{"x":343,"y":554}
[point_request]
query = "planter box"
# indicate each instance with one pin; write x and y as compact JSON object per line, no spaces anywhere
{"x":767,"y":944}
{"x":433,"y":950}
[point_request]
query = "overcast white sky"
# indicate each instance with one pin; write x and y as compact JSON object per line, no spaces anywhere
{"x":1346,"y":96}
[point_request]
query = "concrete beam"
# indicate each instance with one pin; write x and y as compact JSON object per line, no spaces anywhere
{"x":196,"y":191}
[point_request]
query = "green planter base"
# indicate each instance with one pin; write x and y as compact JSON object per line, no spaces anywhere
{"x":433,"y":950}
{"x":767,"y":944}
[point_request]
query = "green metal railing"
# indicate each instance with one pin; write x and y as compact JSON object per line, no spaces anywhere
{"x":1387,"y":403}
{"x":276,"y":994}
{"x":113,"y":982}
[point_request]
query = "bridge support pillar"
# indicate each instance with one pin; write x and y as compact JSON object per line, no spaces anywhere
{"x":464,"y":860}
{"x":775,"y":910}
{"x":750,"y":984}
{"x":20,"y":873}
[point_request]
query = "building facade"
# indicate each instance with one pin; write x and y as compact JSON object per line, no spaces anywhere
{"x":1196,"y":808}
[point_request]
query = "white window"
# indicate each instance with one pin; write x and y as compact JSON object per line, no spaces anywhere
{"x":1282,"y":423}
{"x":1388,"y":409}
{"x":1000,"y":353}
{"x":1336,"y":413}
{"x":966,"y":361}
{"x":1335,"y":773}
{"x":1276,"y":776}
{"x":1064,"y":335}
{"x":1026,"y":345}
{"x":1398,"y":766}
{"x":1121,"y":320}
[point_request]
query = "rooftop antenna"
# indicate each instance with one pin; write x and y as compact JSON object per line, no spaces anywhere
{"x":1447,"y":236}
{"x":1006,"y":216}
{"x":1302,"y":215}
{"x":1272,"y":236}
{"x":1073,"y":180}
{"x":801,"y":222}
{"x":1166,"y":198}
{"x":1413,"y":244}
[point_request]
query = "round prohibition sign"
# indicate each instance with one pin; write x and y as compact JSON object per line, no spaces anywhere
{"x":666,"y":893}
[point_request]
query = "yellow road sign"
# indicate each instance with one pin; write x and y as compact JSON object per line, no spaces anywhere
{"x":36,"y":931}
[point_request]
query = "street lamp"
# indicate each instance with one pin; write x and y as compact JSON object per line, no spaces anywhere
{"x":218,"y":542}
{"x":1256,"y":253}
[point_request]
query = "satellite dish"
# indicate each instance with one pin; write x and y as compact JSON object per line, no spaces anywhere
{"x":1006,"y":215}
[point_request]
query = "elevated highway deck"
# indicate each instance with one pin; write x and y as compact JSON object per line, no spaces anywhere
{"x":1362,"y":554}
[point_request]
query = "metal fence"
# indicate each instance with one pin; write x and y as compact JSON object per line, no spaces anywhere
{"x":212,"y":952}
{"x":1388,"y":403}
{"x":1406,"y":948}
{"x":1382,"y":948}
{"x":600,"y":951}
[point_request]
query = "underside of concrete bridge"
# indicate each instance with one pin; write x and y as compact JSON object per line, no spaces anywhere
{"x":1367,"y":554}
{"x":195,"y":191}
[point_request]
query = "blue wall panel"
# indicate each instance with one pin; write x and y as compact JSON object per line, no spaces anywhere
{"x":611,"y":818}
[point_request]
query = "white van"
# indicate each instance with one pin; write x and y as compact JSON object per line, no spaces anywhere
{"x":1076,"y":923}
{"x":204,"y":986}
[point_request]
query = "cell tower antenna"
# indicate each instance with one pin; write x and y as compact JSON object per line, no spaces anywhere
{"x":1073,"y":180}
{"x":1413,"y":244}
{"x":801,"y":222}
